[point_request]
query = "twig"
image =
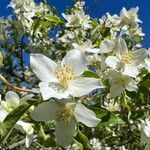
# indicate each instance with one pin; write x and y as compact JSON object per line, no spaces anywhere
{"x":19,"y":143}
{"x":13,"y":86}
{"x":21,"y":57}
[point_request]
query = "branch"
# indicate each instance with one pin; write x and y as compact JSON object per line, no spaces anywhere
{"x":13,"y":86}
{"x":19,"y":143}
{"x":21,"y":57}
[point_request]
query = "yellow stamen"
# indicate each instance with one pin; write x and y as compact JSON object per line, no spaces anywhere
{"x":64,"y":75}
{"x":65,"y":114}
{"x":126,"y":57}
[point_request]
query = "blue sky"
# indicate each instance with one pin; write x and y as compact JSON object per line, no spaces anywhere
{"x":97,"y":8}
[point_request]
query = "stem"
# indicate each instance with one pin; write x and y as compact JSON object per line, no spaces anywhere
{"x":21,"y":57}
{"x":13,"y":86}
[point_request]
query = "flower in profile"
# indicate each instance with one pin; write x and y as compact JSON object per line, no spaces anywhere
{"x":63,"y":79}
{"x":120,"y":82}
{"x":126,"y":61}
{"x":145,"y":132}
{"x":66,"y":115}
{"x":12,"y":101}
{"x":86,"y":47}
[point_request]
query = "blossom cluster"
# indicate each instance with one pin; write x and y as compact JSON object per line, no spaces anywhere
{"x":87,"y":59}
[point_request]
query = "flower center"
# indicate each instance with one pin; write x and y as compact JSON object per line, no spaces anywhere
{"x":121,"y":80}
{"x":65,"y":114}
{"x":126,"y":57}
{"x":64,"y":75}
{"x":84,"y":46}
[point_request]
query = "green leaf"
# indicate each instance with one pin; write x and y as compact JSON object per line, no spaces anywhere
{"x":81,"y":138}
{"x":110,"y":119}
{"x":106,"y":117}
{"x":90,"y":74}
{"x":54,"y":19}
{"x":45,"y":139}
{"x":11,"y":119}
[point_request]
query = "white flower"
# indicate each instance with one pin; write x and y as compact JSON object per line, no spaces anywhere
{"x":112,"y":105}
{"x":86,"y":47}
{"x":12,"y":101}
{"x":120,"y":82}
{"x":64,"y":79}
{"x":96,"y":144}
{"x":78,"y":19}
{"x":129,"y":17}
{"x":66,"y":116}
{"x":145,"y":132}
{"x":126,"y":61}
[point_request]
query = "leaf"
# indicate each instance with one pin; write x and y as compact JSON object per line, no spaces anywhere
{"x":53,"y":19}
{"x":11,"y":119}
{"x":110,"y":119}
{"x":81,"y":138}
{"x":90,"y":74}
{"x":106,"y":117}
{"x":45,"y":139}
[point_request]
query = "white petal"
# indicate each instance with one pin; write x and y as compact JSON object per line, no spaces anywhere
{"x":49,"y":90}
{"x":86,"y":116}
{"x":12,"y":99}
{"x":75,"y":59}
{"x":29,"y":138}
{"x":130,"y":70}
{"x":93,"y":50}
{"x":43,"y":67}
{"x":65,"y":132}
{"x":3,"y":114}
{"x":45,"y":111}
{"x":120,"y":46}
{"x":26,"y":97}
{"x":106,"y":46}
{"x":112,"y":61}
{"x":116,"y":89}
{"x":83,"y":86}
{"x":27,"y":128}
{"x":139,"y":55}
{"x":132,"y":85}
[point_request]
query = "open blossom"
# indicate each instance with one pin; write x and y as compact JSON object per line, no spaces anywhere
{"x":12,"y":101}
{"x":129,"y":17}
{"x":63,"y":79}
{"x":66,"y":116}
{"x":126,"y":61}
{"x":78,"y":18}
{"x":120,"y":82}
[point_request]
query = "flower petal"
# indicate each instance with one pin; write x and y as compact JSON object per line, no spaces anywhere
{"x":43,"y":67}
{"x":85,"y":115}
{"x":83,"y":86}
{"x":116,"y":89}
{"x":28,"y":129}
{"x":75,"y":59}
{"x":3,"y":114}
{"x":93,"y":50}
{"x":26,"y":97}
{"x":112,"y":61}
{"x":49,"y":90}
{"x":12,"y":99}
{"x":106,"y":46}
{"x":130,"y":70}
{"x":45,"y":111}
{"x":65,"y":132}
{"x":139,"y":55}
{"x":120,"y":46}
{"x":132,"y":85}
